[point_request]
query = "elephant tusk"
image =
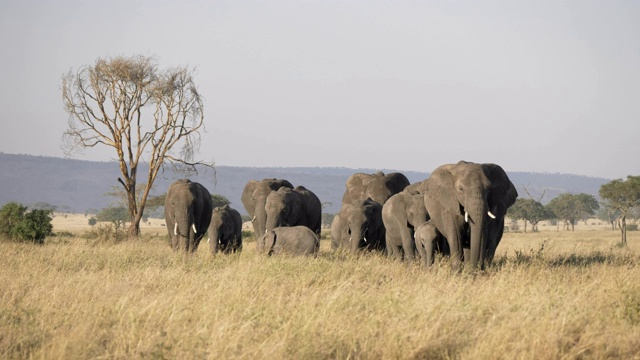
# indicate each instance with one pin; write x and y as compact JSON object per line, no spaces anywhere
{"x":365,"y":239}
{"x":466,"y":217}
{"x":254,"y":218}
{"x":491,"y":215}
{"x":194,"y":229}
{"x":175,"y":229}
{"x":208,"y":240}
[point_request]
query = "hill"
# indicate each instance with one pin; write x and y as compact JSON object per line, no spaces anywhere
{"x":77,"y":185}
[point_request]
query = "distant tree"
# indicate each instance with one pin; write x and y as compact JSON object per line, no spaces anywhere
{"x":327,"y":219}
{"x":115,"y":215}
{"x":93,"y":221}
{"x":573,"y":207}
{"x":608,"y":214}
{"x":19,"y":224}
{"x":219,"y":200}
{"x":142,"y":113}
{"x":41,"y":205}
{"x":622,"y":195}
{"x":529,"y":210}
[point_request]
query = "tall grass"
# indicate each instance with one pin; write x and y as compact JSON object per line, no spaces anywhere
{"x":548,"y":295}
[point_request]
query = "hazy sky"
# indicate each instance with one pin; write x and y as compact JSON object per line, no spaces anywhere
{"x":540,"y":86}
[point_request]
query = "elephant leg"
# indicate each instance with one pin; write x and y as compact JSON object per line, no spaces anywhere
{"x":454,"y":238}
{"x":392,"y":251}
{"x":408,"y":245}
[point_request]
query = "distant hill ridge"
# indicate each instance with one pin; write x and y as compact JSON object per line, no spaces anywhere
{"x":79,"y":185}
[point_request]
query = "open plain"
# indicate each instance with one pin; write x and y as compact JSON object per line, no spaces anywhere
{"x":549,"y":295}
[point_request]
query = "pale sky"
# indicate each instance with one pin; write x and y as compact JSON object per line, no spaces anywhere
{"x":538,"y":86}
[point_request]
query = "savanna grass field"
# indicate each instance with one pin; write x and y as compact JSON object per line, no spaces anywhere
{"x":549,"y":295}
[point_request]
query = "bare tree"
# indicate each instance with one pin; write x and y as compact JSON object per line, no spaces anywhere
{"x":143,"y":113}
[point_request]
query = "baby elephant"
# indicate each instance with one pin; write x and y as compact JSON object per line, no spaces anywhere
{"x":290,"y":240}
{"x":225,"y":230}
{"x":429,"y":241}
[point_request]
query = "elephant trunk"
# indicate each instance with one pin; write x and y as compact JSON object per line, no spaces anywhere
{"x":214,"y":239}
{"x":357,"y":235}
{"x":477,"y":224}
{"x":273,"y":221}
{"x":260,"y":220}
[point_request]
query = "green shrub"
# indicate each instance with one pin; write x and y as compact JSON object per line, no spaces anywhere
{"x":632,"y":227}
{"x":16,"y":223}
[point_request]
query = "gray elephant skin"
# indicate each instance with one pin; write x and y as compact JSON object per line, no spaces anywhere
{"x":290,"y":240}
{"x":287,"y":207}
{"x":187,"y":212}
{"x":358,"y":226}
{"x":225,"y":230}
{"x":401,"y":215}
{"x":378,"y":187}
{"x":429,"y":241}
{"x":254,"y":198}
{"x":474,"y":194}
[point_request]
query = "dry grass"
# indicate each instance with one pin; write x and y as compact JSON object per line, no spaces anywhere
{"x":549,"y":295}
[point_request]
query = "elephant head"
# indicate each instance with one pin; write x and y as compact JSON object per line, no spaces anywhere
{"x":283,"y":208}
{"x":364,"y":223}
{"x":379,"y":187}
{"x":188,"y":209}
{"x":473,"y":194}
{"x":254,"y":197}
{"x":299,"y":206}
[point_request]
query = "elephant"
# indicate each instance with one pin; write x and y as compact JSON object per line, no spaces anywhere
{"x":477,"y":194}
{"x":225,"y":230}
{"x":379,"y":187}
{"x":401,"y":215}
{"x":254,"y":197}
{"x":290,"y":240}
{"x":187,"y":212}
{"x":358,"y":226}
{"x":299,"y":206}
{"x":429,"y":241}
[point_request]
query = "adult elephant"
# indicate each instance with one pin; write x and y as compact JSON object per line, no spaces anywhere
{"x":187,"y":213}
{"x":474,"y":194}
{"x":358,"y":226}
{"x":254,"y":197}
{"x":401,"y":215}
{"x":287,"y":207}
{"x":378,"y":187}
{"x":225,"y":230}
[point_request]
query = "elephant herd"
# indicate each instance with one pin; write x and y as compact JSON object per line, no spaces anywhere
{"x":458,"y":211}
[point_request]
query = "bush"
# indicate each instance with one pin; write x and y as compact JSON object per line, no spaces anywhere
{"x":632,"y":227}
{"x":16,"y":223}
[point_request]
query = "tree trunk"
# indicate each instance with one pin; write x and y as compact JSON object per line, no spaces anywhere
{"x":525,"y":226}
{"x":623,"y":230}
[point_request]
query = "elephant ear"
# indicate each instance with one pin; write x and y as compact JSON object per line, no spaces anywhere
{"x":440,"y":187}
{"x":502,"y":193}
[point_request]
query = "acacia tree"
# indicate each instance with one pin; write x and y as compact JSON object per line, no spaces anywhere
{"x":144,"y":114}
{"x":573,"y":207}
{"x":529,"y":210}
{"x":622,"y":195}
